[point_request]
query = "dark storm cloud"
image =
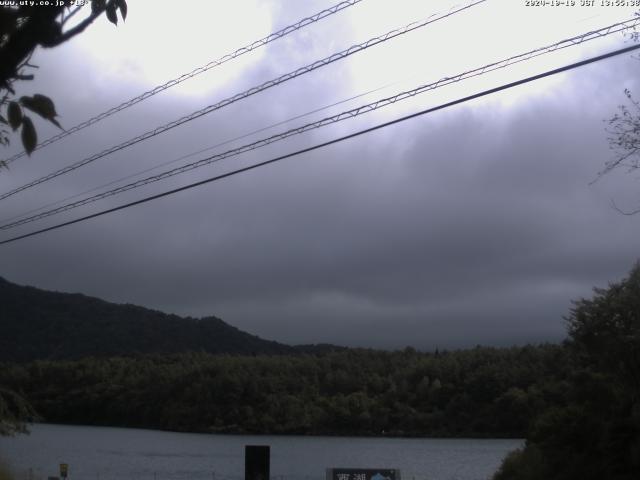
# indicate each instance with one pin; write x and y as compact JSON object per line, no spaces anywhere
{"x":473,"y":225}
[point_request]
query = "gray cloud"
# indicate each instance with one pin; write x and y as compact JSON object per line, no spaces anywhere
{"x":472,"y":225}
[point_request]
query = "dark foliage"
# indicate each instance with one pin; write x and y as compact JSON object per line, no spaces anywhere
{"x":24,"y":27}
{"x":483,"y":392}
{"x":594,"y":433}
{"x":15,"y":411}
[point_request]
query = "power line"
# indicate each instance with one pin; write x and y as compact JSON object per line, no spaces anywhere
{"x":252,"y":91}
{"x":198,"y":152}
{"x":196,"y":71}
{"x":562,"y":44}
{"x":577,"y":40}
{"x":331,"y":142}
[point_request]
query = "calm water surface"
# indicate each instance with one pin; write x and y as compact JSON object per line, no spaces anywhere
{"x":101,"y":453}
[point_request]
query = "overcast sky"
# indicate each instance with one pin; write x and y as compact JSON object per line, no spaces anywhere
{"x":477,"y":224}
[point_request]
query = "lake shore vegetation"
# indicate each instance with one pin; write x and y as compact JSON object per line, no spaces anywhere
{"x":480,"y":392}
{"x":594,"y":433}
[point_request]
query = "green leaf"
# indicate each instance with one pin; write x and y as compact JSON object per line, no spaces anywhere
{"x":112,"y":13}
{"x":14,"y":112}
{"x":43,"y":106}
{"x":122,"y":5}
{"x":29,"y":136}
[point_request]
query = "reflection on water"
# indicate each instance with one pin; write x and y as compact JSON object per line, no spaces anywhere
{"x":102,"y":453}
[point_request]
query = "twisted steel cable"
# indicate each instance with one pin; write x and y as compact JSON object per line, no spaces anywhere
{"x":339,"y":117}
{"x":329,"y":142}
{"x":196,"y":71}
{"x":252,"y":91}
{"x":198,"y":152}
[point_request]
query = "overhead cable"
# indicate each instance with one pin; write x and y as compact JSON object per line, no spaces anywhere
{"x":252,"y":91}
{"x":198,"y":152}
{"x":330,"y":142}
{"x":577,"y":40}
{"x":196,"y":71}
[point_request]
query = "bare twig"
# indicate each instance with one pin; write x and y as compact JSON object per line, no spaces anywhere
{"x":623,"y":212}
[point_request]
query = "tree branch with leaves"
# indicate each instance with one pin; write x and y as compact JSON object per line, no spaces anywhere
{"x":23,"y":29}
{"x":15,"y":412}
{"x":624,"y":140}
{"x":624,"y":136}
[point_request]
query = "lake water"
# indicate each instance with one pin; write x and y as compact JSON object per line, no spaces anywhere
{"x":101,"y":453}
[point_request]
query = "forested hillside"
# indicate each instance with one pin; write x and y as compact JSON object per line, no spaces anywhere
{"x":576,"y":403}
{"x":479,"y":392}
{"x":38,"y":324}
{"x":592,"y":431}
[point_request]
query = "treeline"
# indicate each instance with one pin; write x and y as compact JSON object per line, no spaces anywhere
{"x":594,"y":432}
{"x":578,"y":404}
{"x":482,"y":392}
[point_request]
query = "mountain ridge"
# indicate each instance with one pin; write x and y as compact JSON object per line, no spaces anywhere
{"x":42,"y":324}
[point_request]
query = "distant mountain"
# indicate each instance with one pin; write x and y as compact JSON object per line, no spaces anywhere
{"x":40,"y":324}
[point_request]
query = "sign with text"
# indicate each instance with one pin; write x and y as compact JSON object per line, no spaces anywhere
{"x":363,"y":474}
